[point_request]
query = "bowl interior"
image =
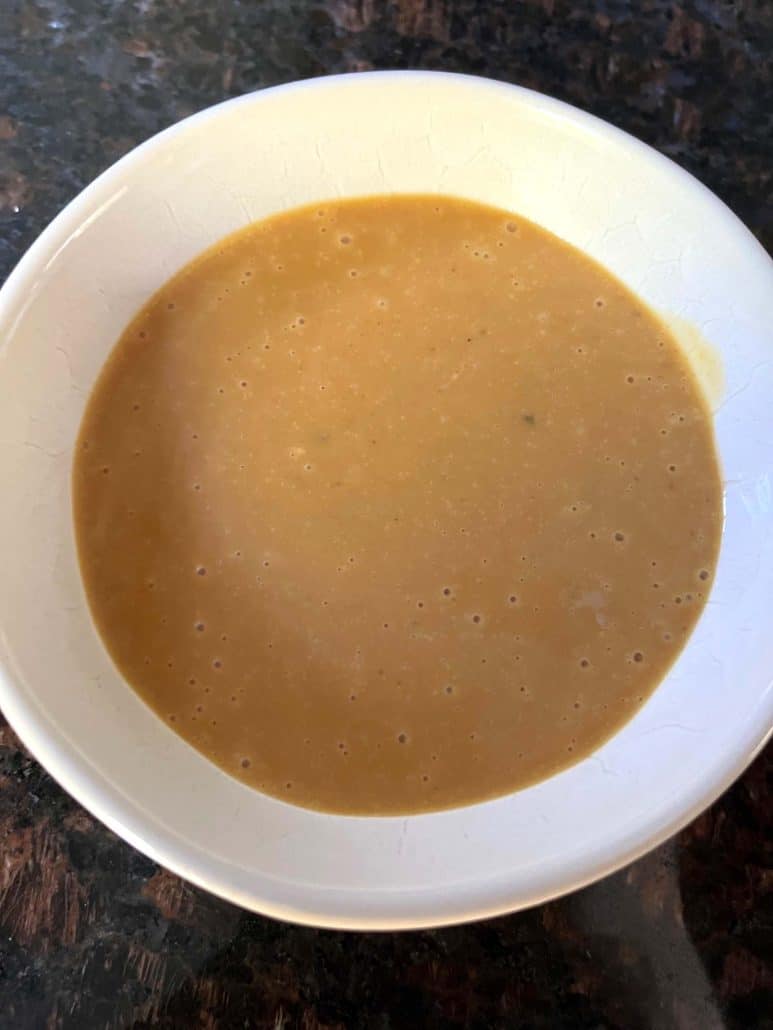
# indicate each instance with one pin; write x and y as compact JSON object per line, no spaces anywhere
{"x":63,"y":309}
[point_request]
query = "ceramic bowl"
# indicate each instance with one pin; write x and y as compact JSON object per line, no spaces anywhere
{"x":65,"y":305}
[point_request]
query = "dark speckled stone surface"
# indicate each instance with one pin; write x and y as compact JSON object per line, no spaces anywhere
{"x":93,"y":935}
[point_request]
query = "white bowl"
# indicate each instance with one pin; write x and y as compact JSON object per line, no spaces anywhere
{"x":62,"y":310}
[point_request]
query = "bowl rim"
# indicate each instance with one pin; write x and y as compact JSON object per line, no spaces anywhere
{"x":72,"y":769}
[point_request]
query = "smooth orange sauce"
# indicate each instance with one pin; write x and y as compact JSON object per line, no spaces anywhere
{"x":395,"y":504}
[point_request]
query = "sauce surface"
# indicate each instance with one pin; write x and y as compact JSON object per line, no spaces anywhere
{"x":397,"y":503}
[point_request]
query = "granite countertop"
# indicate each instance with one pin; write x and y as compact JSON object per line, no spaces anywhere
{"x":94,"y":935}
